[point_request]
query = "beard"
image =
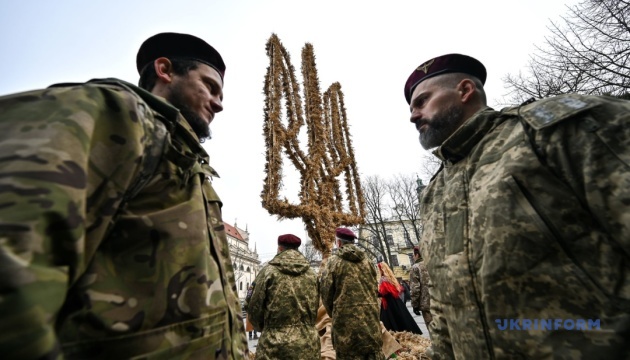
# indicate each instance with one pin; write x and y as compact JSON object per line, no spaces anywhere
{"x":441,"y":126}
{"x":196,"y":122}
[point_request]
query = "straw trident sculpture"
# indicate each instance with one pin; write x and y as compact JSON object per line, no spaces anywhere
{"x":329,"y":160}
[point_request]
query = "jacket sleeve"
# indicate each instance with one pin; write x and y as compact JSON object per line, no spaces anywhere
{"x":67,"y":156}
{"x":416,"y":286}
{"x":258,"y":301}
{"x":441,"y":347}
{"x":589,"y":149}
{"x":327,"y":286}
{"x":424,"y":288}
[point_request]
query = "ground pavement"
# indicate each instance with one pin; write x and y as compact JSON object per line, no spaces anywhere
{"x":418,"y":318}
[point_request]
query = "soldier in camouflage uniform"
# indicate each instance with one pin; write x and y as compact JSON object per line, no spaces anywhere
{"x":419,"y":279}
{"x":284,"y":304}
{"x":112,"y":244}
{"x":528,"y":219}
{"x":349,"y":290}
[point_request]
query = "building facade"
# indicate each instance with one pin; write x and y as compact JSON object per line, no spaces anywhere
{"x":245,"y":261}
{"x":401,"y":238}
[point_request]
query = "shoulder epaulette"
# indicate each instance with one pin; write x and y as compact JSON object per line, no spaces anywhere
{"x":550,"y":111}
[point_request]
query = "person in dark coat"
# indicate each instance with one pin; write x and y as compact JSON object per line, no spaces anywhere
{"x":407,"y":292}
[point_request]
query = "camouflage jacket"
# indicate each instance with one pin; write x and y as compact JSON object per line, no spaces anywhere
{"x":419,"y":280}
{"x":85,"y":273}
{"x":529,"y":220}
{"x":350,"y":295}
{"x":284,"y":307}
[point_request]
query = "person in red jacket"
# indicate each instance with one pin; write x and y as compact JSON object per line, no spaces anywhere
{"x":394,"y":313}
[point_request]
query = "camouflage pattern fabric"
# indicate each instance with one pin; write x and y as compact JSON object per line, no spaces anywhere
{"x":85,"y":273}
{"x":284,"y":307}
{"x":530,"y":219}
{"x":350,"y":295}
{"x":419,"y":280}
{"x":324,"y":327}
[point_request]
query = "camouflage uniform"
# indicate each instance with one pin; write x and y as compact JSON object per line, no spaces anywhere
{"x":350,"y":295}
{"x":532,"y":224}
{"x":419,"y":279}
{"x":95,"y":263}
{"x":284,"y":306}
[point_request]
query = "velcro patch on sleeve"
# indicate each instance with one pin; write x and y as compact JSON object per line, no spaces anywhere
{"x":550,"y":111}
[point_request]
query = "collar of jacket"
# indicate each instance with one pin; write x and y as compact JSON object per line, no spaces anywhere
{"x":459,"y":144}
{"x":176,"y":122}
{"x":155,"y":102}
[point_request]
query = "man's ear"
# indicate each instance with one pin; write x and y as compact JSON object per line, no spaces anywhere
{"x":163,"y":69}
{"x":466,"y":88}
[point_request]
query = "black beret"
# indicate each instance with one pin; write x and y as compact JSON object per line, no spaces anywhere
{"x":450,"y":63}
{"x":178,"y":46}
{"x":345,"y":233}
{"x":289,"y":240}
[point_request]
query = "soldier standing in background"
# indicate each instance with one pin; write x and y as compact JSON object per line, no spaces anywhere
{"x":112,"y":244}
{"x":528,"y":219}
{"x":419,"y":279}
{"x":349,"y":290}
{"x":284,"y":303}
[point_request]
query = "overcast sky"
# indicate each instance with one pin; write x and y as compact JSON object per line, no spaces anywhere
{"x":370,"y":47}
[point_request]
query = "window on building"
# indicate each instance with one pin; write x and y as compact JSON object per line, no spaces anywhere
{"x":375,"y":241}
{"x":248,"y":270}
{"x":395,"y":260}
{"x":241,"y":267}
{"x":389,"y":237}
{"x":240,"y":286}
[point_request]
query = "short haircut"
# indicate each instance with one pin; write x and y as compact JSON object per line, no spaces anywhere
{"x":181,"y":67}
{"x":346,"y":241}
{"x":452,"y":79}
{"x":289,"y":247}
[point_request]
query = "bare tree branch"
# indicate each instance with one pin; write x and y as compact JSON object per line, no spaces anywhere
{"x":587,"y":52}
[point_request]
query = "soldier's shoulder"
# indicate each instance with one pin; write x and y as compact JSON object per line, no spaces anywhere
{"x":550,"y":111}
{"x":65,"y":91}
{"x":333,"y":259}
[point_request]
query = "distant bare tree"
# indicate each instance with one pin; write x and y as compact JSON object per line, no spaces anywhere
{"x":588,"y":52}
{"x":429,"y":166}
{"x":378,"y":206}
{"x":388,"y":201}
{"x":403,"y":190}
{"x":310,"y":252}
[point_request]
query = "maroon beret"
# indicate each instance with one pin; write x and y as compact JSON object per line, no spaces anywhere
{"x":450,"y":63}
{"x":178,"y":46}
{"x":289,"y":240}
{"x":416,"y":250}
{"x":345,"y":233}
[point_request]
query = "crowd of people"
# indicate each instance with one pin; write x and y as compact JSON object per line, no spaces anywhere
{"x":112,"y":243}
